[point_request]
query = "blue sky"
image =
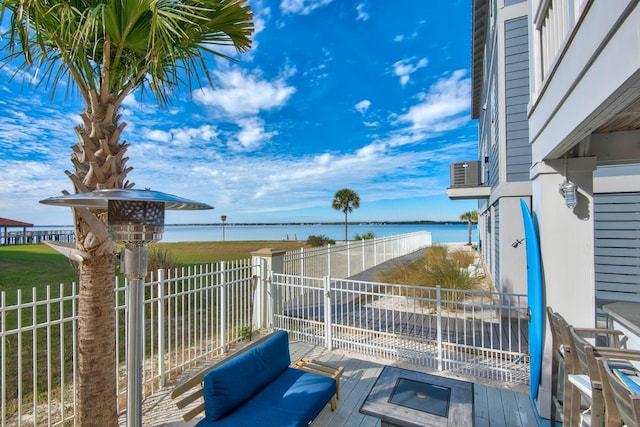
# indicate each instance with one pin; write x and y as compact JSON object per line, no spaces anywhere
{"x":370,"y":95}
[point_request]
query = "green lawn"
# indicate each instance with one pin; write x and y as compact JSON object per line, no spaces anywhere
{"x":28,"y":266}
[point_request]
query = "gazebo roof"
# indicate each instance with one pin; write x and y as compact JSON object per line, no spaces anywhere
{"x":4,"y":222}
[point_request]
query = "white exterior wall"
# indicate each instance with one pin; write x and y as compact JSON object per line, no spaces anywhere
{"x":513,"y":261}
{"x":566,"y":247}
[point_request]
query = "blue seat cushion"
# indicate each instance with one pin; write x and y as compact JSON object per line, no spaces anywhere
{"x":294,"y":399}
{"x":230,"y":384}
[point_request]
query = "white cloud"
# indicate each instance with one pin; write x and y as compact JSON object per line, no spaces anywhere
{"x":239,"y":93}
{"x":403,"y":37}
{"x":158,"y":135}
{"x":362,"y":14}
{"x":406,"y":67}
{"x":444,"y":107}
{"x":252,"y":135}
{"x":363,"y":106}
{"x":302,"y":7}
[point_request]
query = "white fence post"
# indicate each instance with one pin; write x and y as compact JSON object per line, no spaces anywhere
{"x":439,"y":324}
{"x":161,"y":327}
{"x":348,"y":259}
{"x":302,"y":261}
{"x":328,"y":340}
{"x":222,"y":321}
{"x":269,"y":259}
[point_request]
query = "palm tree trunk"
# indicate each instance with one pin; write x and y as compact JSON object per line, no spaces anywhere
{"x":346,"y":234}
{"x":97,"y":393}
{"x":99,"y":162}
{"x":469,"y":227}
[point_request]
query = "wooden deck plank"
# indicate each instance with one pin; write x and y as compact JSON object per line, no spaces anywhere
{"x":480,"y":405}
{"x":359,"y":377}
{"x":525,"y":409}
{"x":495,"y":408}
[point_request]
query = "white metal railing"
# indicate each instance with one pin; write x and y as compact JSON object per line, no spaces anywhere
{"x":346,"y":259}
{"x":191,"y":315}
{"x":34,"y":237}
{"x":554,"y":21}
{"x":38,"y":344}
{"x":482,"y":334}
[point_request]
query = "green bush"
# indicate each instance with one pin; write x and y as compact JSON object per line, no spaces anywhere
{"x":366,"y":236}
{"x":437,"y":267}
{"x":320,"y":240}
{"x":159,"y":258}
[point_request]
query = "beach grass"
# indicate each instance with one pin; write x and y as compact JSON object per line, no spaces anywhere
{"x":438,"y":267}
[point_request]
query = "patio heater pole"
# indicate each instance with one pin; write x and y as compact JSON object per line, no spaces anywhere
{"x":135,"y":218}
{"x":134,"y":266}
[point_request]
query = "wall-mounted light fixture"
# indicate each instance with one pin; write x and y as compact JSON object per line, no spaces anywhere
{"x":568,"y":189}
{"x":570,"y":193}
{"x":135,"y":218}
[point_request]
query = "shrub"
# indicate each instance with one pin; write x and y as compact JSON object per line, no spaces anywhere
{"x":366,"y":236}
{"x":159,"y":258}
{"x":435,"y":268}
{"x":321,"y":240}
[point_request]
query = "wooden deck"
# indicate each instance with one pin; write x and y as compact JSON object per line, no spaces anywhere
{"x":493,"y":406}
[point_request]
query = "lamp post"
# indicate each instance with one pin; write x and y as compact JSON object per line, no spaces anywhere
{"x":223,"y":218}
{"x":135,"y":218}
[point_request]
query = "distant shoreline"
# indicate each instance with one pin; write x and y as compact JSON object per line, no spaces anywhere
{"x":308,"y":223}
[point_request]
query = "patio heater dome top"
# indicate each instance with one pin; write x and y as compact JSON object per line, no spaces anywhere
{"x":99,"y":199}
{"x":134,"y":216}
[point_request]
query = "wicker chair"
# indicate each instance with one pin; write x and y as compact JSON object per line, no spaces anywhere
{"x":619,"y":397}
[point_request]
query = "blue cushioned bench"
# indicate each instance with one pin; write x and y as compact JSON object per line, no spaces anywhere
{"x":256,"y":386}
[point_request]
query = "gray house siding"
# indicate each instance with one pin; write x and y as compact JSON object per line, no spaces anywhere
{"x":496,"y":236}
{"x":517,"y":97}
{"x":617,"y":246}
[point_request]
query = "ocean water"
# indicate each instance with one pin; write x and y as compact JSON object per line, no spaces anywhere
{"x":441,"y":233}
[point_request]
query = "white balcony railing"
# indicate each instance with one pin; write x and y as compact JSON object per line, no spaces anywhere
{"x":554,"y":21}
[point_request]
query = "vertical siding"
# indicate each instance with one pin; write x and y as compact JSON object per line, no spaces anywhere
{"x":517,"y":97}
{"x":617,"y":246}
{"x":496,"y":272}
{"x":494,"y":140}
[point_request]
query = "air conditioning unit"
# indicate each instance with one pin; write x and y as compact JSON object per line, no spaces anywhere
{"x":466,"y":174}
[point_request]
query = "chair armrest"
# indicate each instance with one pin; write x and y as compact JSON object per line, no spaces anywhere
{"x":599,"y":331}
{"x":616,"y":353}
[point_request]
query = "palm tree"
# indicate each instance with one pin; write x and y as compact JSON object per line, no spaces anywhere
{"x":345,"y":200}
{"x":470,"y":217}
{"x":105,"y":50}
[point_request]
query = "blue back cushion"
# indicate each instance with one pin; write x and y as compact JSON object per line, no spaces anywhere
{"x":631,"y":384}
{"x":230,"y":384}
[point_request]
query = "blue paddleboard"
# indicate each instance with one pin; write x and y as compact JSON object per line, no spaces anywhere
{"x":535,"y":298}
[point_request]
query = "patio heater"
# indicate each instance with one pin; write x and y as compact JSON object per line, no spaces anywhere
{"x":135,"y":218}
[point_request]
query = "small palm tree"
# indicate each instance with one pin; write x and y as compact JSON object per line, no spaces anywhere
{"x":470,"y":217}
{"x":345,"y":200}
{"x":105,"y":50}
